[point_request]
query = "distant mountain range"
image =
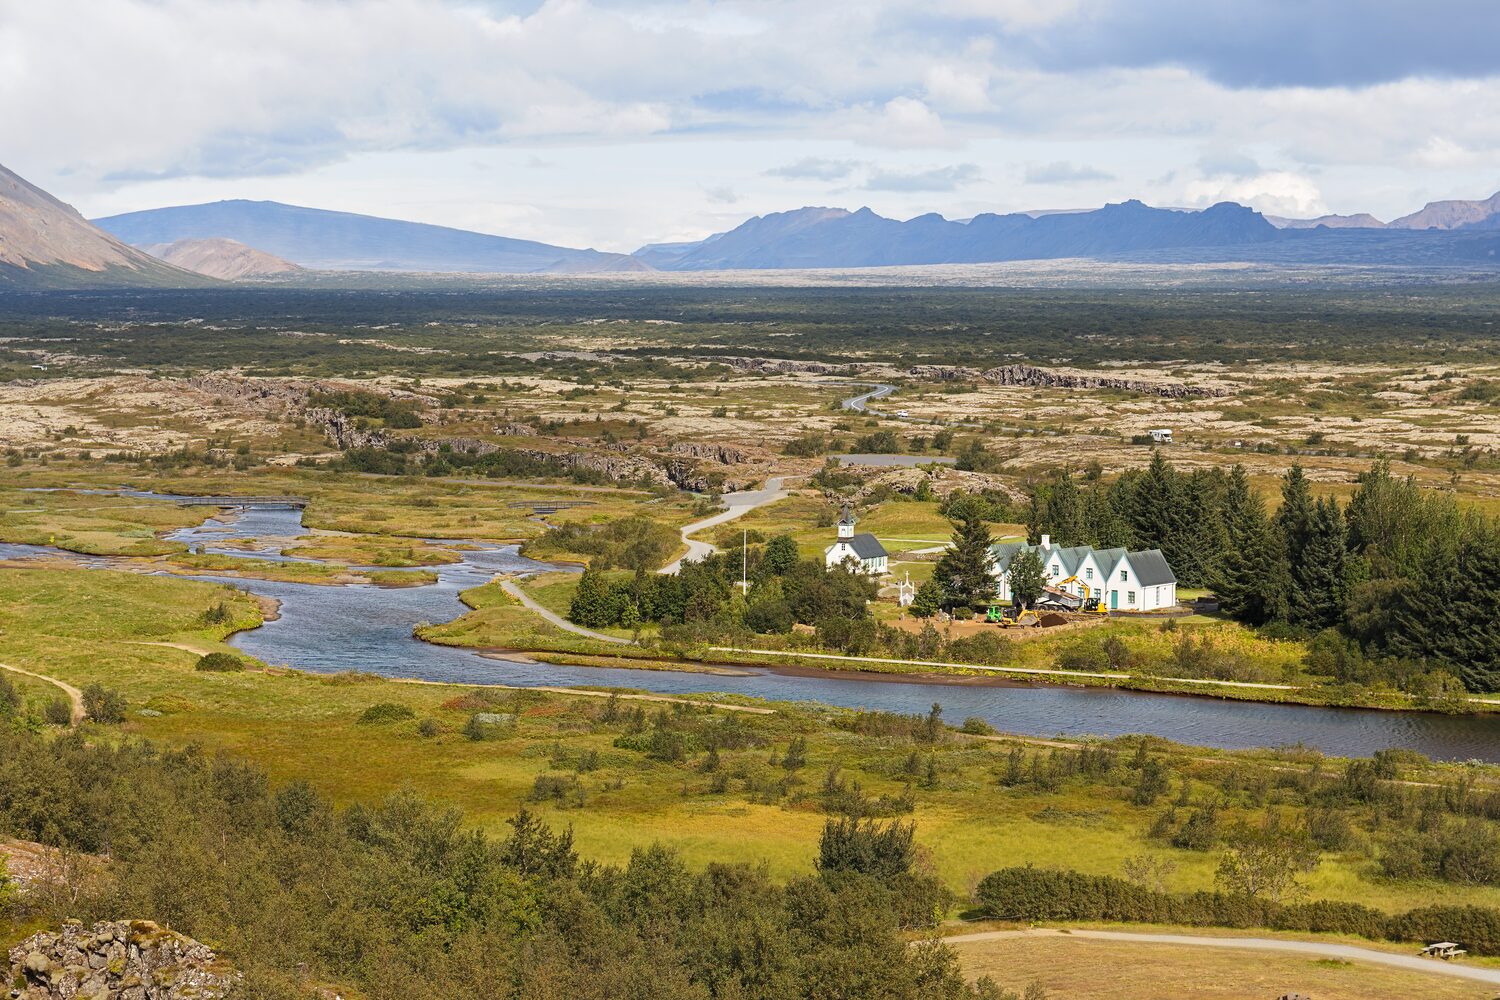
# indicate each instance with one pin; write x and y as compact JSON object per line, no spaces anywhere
{"x":1449,"y":215}
{"x":45,"y":243}
{"x":834,"y":237}
{"x":1447,"y":233}
{"x":342,"y":241}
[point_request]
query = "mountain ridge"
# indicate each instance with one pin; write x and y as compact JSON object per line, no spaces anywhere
{"x":323,"y":239}
{"x":46,"y":243}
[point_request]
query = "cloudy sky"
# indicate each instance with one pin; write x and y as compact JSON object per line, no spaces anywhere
{"x":612,"y":123}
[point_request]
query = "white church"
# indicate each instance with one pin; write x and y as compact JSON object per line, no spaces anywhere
{"x":863,"y":551}
{"x":1119,"y":580}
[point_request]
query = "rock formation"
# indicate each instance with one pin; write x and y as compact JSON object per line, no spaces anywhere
{"x":116,"y":960}
{"x":783,"y":366}
{"x":1022,"y":374}
{"x":943,"y":373}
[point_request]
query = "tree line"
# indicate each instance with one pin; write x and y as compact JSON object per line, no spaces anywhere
{"x":401,"y":899}
{"x":1396,"y":584}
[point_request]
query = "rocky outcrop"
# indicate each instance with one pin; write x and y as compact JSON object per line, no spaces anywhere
{"x":344,"y":431}
{"x":1022,"y":374}
{"x":514,"y":429}
{"x":117,"y":960}
{"x":784,"y":366}
{"x":724,"y":454}
{"x":943,"y":373}
{"x":941,"y":482}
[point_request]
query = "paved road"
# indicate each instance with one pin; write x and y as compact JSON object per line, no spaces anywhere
{"x":509,"y":586}
{"x":736,"y":505}
{"x":857,"y":403}
{"x":75,"y":696}
{"x":1411,"y":963}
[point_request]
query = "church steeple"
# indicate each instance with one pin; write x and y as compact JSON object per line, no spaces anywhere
{"x":846,"y":523}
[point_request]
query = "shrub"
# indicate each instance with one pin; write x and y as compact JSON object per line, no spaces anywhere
{"x":428,"y":728}
{"x":386,"y":711}
{"x":103,"y":705}
{"x":220,"y":663}
{"x":975,"y":726}
{"x":58,"y":712}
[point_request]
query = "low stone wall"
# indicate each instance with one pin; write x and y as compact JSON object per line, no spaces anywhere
{"x":117,"y":960}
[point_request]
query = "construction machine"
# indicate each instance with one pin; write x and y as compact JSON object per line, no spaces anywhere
{"x":1013,"y":617}
{"x":1091,"y":605}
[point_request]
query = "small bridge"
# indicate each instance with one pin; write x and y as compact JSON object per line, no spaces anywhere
{"x":298,"y":502}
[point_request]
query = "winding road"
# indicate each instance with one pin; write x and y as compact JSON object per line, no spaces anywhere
{"x":736,"y":505}
{"x":511,"y":588}
{"x":1322,"y":949}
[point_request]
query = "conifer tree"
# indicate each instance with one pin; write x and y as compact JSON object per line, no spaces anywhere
{"x":1252,"y":580}
{"x":1321,"y":571}
{"x":928,"y":599}
{"x":590,"y":606}
{"x":965,"y":572}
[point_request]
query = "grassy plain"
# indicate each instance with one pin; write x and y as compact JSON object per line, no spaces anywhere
{"x":104,"y":626}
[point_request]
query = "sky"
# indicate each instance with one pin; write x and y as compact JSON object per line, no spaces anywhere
{"x":610,"y":123}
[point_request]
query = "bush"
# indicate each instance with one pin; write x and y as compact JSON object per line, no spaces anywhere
{"x":1047,"y":894}
{"x":386,"y":711}
{"x":58,"y":712}
{"x":220,"y":663}
{"x":103,"y":705}
{"x":428,"y":728}
{"x":975,"y":726}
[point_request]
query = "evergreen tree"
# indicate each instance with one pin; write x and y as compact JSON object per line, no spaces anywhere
{"x":1294,"y":523}
{"x":1062,"y":511}
{"x":1252,"y":579}
{"x":591,"y":601}
{"x":1027,"y":577}
{"x":1321,"y":572}
{"x":1198,"y":546}
{"x":1104,"y":526}
{"x":1158,"y":512}
{"x":965,"y":572}
{"x":928,"y":599}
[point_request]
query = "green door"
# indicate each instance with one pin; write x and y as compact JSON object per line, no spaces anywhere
{"x":1114,"y":600}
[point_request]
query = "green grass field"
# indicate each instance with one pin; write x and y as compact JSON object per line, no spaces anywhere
{"x":96,"y":626}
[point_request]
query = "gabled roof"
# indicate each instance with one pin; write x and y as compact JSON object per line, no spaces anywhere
{"x":864,"y":544}
{"x":1151,"y":568}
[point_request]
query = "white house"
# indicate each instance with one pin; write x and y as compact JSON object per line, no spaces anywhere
{"x":1120,"y":580}
{"x":863,"y":550}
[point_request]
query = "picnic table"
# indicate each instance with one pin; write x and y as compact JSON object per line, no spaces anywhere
{"x":1446,"y":950}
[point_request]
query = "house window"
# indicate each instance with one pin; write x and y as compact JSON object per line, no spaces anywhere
{"x":1130,"y":597}
{"x":1088,"y":574}
{"x":1124,"y":576}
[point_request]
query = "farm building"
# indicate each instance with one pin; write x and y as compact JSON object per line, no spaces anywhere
{"x":1121,"y":580}
{"x":863,"y":550}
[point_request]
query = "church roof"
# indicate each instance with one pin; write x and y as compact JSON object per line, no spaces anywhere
{"x":864,"y":544}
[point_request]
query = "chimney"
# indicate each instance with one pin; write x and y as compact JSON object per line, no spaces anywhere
{"x":1046,"y":541}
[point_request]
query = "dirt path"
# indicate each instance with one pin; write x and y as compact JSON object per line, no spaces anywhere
{"x":510,"y":587}
{"x":75,"y":696}
{"x":736,"y":505}
{"x":1411,"y":963}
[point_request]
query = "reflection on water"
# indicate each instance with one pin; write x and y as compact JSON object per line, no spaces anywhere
{"x":328,"y":629}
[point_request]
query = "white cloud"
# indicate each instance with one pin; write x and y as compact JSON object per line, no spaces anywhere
{"x":958,"y":90}
{"x":1278,"y":192}
{"x":901,"y":123}
{"x":932,"y":179}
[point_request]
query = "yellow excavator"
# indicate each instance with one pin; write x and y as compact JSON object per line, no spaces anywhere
{"x":1013,"y":618}
{"x":1091,"y":605}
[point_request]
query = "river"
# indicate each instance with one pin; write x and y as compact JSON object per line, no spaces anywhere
{"x":334,"y":628}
